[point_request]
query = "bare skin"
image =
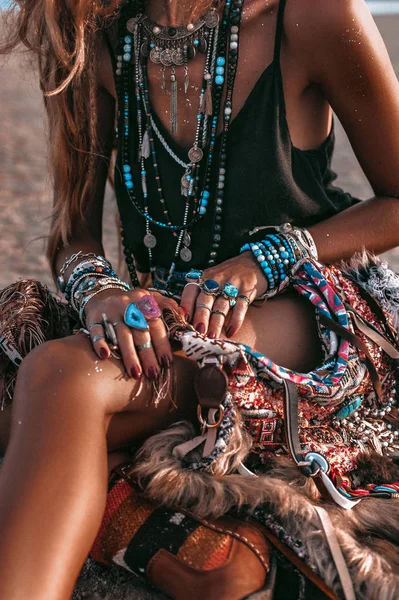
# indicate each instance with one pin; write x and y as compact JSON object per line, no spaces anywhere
{"x":53,"y":482}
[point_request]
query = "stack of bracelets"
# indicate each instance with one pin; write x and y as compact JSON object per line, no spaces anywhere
{"x":91,"y":276}
{"x":278,"y":252}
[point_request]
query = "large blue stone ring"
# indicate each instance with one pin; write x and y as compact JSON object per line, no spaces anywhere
{"x":134,"y":318}
{"x":194,"y":276}
{"x":230,"y":292}
{"x":210,"y":287}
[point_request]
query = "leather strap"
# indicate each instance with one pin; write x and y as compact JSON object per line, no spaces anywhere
{"x":336,"y":553}
{"x":211,"y":386}
{"x":375,"y":336}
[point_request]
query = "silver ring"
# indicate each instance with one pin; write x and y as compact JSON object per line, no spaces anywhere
{"x":95,"y":324}
{"x":97,"y":338}
{"x":245,"y":298}
{"x":192,"y":283}
{"x":203,"y":306}
{"x":109,"y":331}
{"x":145,"y":346}
{"x":118,"y":323}
{"x":218,"y":312}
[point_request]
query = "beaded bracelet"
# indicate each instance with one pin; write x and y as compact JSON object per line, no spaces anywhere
{"x":72,"y":259}
{"x":89,"y":271}
{"x":85,"y":268}
{"x":88,"y":284}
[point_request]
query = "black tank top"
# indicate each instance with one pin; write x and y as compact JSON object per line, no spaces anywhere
{"x":268,"y":180}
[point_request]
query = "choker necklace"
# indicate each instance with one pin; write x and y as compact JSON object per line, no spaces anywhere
{"x":172,"y":47}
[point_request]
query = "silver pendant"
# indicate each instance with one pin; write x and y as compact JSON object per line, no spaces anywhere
{"x":150,"y":241}
{"x":212,"y":19}
{"x":185,"y":185}
{"x":177,"y":57}
{"x":186,"y":254}
{"x":155,"y":56}
{"x":131,"y":24}
{"x":166,"y":58}
{"x":186,"y":239}
{"x":195,"y":154}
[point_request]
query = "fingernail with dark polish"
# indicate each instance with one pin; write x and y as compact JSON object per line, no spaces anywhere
{"x":103,"y":353}
{"x":165,"y":360}
{"x":200,"y":327}
{"x":212,"y":335}
{"x":230,"y":331}
{"x":152,"y":373}
{"x":135,"y":371}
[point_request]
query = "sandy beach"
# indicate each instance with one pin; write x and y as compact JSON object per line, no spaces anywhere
{"x":25,"y":189}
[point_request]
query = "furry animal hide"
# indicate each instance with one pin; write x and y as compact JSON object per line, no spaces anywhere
{"x":375,"y":276}
{"x":368,"y":534}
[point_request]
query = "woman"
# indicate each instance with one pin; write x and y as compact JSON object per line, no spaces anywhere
{"x":298,"y":61}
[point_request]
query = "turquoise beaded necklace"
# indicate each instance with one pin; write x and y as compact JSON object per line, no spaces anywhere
{"x":131,"y":73}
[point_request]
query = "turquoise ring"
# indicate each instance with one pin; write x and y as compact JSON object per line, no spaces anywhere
{"x":194,"y":276}
{"x":230,"y":292}
{"x":210,"y":287}
{"x":134,"y":318}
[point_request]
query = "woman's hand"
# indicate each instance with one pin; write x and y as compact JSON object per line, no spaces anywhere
{"x":113,"y":304}
{"x":210,"y":314}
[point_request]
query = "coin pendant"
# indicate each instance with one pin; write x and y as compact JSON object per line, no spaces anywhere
{"x":195,"y":154}
{"x":131,"y":24}
{"x":212,"y":19}
{"x":150,"y":241}
{"x":185,"y":182}
{"x":186,"y":254}
{"x":166,"y":58}
{"x":178,"y":58}
{"x":186,"y":239}
{"x":203,"y":46}
{"x":155,"y":56}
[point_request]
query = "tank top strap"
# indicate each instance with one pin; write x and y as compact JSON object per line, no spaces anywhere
{"x":279,"y":30}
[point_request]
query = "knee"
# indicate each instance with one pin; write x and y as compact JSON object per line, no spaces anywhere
{"x":59,"y":368}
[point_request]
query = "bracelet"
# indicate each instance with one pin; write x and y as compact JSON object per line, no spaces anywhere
{"x":88,"y":284}
{"x":78,"y":275}
{"x":72,"y":259}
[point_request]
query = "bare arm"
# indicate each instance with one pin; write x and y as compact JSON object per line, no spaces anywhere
{"x":353,"y":68}
{"x":88,"y":234}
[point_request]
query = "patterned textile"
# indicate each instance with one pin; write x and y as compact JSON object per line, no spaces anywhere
{"x":340,"y":413}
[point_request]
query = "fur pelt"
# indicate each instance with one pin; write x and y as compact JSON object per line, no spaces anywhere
{"x":368,"y":534}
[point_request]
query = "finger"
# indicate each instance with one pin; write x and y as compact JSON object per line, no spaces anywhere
{"x":188,"y":298}
{"x":130,"y":357}
{"x":202,"y":314}
{"x":160,"y":341}
{"x":98,"y":340}
{"x":219,"y":313}
{"x":238,"y":315}
{"x":144,"y":347}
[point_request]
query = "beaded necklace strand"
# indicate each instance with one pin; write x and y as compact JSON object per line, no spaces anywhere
{"x":222,"y":40}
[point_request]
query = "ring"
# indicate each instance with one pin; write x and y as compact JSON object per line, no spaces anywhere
{"x":210,"y":287}
{"x":149,"y":307}
{"x":245,"y":298}
{"x":95,"y":325}
{"x":97,"y":338}
{"x":192,"y":283}
{"x":218,"y":312}
{"x":230,"y":291}
{"x":118,"y":323}
{"x":203,"y":306}
{"x":194,"y":276}
{"x":135,"y":318}
{"x":109,"y":329}
{"x":144,"y":346}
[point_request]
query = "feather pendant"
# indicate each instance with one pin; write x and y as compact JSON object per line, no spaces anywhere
{"x":145,"y":146}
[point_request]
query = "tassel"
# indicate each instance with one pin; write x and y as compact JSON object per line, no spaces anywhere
{"x":208,"y":105}
{"x":145,"y":146}
{"x":173,"y":102}
{"x":163,"y":80}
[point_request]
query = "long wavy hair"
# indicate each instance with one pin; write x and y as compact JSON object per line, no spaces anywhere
{"x":64,"y":36}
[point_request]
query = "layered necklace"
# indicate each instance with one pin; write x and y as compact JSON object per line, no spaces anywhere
{"x":141,"y":40}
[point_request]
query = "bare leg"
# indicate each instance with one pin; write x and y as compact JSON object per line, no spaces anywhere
{"x":53,"y":482}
